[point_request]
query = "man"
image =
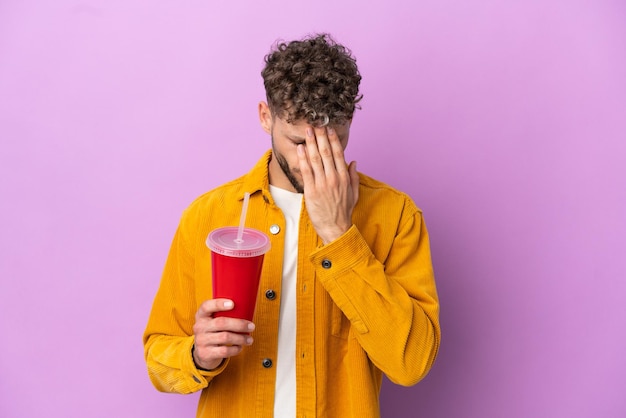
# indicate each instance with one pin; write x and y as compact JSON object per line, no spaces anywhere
{"x":347,"y":291}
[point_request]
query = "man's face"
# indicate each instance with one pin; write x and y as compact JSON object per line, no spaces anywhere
{"x":284,"y":167}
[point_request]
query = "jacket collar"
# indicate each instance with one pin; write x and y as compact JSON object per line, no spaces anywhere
{"x":258,"y":179}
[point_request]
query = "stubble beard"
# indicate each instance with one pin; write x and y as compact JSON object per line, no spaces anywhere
{"x":282,"y":162}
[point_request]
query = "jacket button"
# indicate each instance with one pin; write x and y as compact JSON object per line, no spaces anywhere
{"x":270,"y":294}
{"x":274,"y":229}
{"x":267,"y":363}
{"x":327,"y":264}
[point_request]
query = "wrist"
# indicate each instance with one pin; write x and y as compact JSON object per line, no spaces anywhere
{"x":197,"y":364}
{"x":330,"y":236}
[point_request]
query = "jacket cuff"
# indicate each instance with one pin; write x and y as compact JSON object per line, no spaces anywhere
{"x":340,"y":255}
{"x":336,"y":261}
{"x":200,"y":376}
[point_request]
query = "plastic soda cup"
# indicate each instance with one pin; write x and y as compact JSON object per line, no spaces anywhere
{"x":236,"y":267}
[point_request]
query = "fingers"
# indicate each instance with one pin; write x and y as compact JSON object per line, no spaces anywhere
{"x":325,"y":158}
{"x":206,"y":323}
{"x":223,"y":338}
{"x":211,"y":349}
{"x":318,"y":153}
{"x":305,"y":169}
{"x":223,"y":324}
{"x":223,"y":331}
{"x":217,"y":338}
{"x":337,"y":151}
{"x":320,"y":145}
{"x":209,"y":307}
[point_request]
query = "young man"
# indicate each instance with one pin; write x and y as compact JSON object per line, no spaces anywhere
{"x":347,"y":291}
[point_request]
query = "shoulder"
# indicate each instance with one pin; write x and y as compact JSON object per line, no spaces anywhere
{"x":220,"y":194}
{"x":373,"y":193}
{"x":229,"y":194}
{"x":220,"y":198}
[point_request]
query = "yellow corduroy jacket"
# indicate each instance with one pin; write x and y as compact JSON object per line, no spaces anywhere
{"x":374,"y":310}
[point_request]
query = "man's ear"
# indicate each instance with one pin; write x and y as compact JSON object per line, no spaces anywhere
{"x":265,"y":117}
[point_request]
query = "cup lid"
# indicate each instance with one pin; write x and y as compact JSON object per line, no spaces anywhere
{"x":224,"y":241}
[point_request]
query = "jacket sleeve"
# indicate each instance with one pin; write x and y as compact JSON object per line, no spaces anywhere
{"x":392,"y":304}
{"x":168,"y":338}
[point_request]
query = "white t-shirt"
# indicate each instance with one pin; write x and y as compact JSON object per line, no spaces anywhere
{"x":285,"y":396}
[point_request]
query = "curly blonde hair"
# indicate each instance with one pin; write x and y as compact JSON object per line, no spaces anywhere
{"x":313,"y":79}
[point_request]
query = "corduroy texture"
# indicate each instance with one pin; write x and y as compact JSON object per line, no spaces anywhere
{"x":374,"y":310}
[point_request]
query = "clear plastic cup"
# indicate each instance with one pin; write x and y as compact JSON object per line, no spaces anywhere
{"x":236,"y":267}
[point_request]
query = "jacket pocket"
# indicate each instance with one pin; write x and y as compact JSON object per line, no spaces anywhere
{"x":339,"y":324}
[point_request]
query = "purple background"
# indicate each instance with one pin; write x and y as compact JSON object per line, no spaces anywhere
{"x":505,"y":121}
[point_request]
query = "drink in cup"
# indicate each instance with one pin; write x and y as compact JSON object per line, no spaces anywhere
{"x":236,"y":261}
